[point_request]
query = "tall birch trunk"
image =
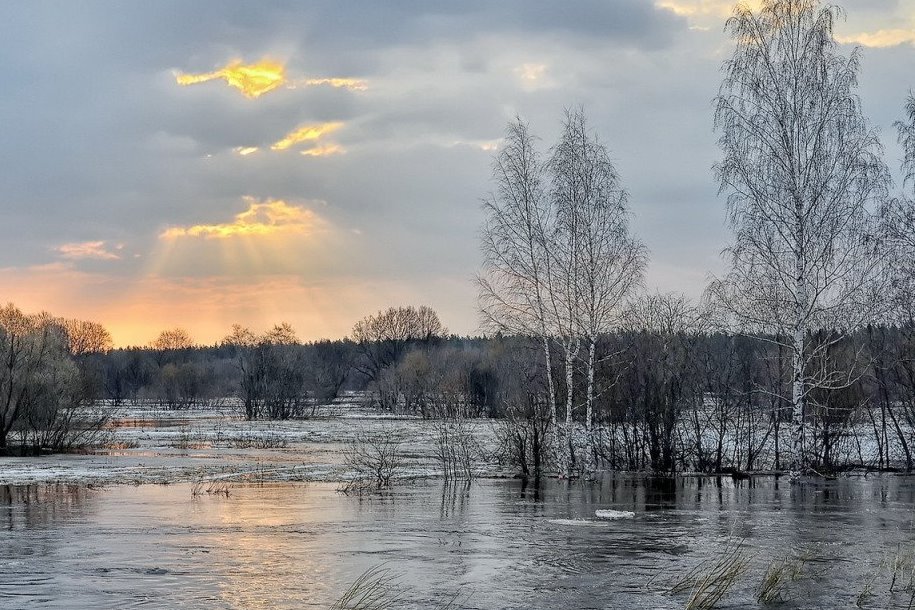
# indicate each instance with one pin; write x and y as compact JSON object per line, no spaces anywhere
{"x":572,"y":347}
{"x":589,"y":415}
{"x":798,"y":463}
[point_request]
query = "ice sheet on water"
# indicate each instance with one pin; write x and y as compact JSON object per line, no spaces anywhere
{"x":614,"y":514}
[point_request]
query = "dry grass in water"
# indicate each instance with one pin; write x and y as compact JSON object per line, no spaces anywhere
{"x":270,"y":440}
{"x":899,"y":574}
{"x":375,"y":589}
{"x":778,"y":575}
{"x":213,"y":487}
{"x":380,"y":589}
{"x":711,"y":580}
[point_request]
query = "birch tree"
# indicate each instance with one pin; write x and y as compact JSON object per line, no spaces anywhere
{"x":802,"y":169}
{"x":899,"y":223}
{"x":558,"y":257}
{"x":515,"y":285}
{"x":600,"y":262}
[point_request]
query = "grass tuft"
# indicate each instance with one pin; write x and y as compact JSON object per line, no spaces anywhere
{"x":710,"y":581}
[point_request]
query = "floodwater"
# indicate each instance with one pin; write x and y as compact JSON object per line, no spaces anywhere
{"x":494,"y":544}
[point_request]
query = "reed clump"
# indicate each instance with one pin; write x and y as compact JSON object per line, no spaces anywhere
{"x":710,"y":581}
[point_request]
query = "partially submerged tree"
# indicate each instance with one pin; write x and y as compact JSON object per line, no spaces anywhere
{"x":802,"y":169}
{"x":41,"y":388}
{"x":516,"y":284}
{"x":600,"y":262}
{"x":558,"y":259}
{"x":273,"y":370}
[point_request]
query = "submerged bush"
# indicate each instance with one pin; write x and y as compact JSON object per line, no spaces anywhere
{"x":372,"y":461}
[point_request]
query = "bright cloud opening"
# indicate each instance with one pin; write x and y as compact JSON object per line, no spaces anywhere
{"x":253,"y":80}
{"x":306,"y":133}
{"x":269,"y":217}
{"x":353,"y":84}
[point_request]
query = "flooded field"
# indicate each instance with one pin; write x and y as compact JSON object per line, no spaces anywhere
{"x":153,"y":445}
{"x":493,"y":544}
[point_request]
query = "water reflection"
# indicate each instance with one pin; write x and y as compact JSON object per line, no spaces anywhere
{"x":512,"y":544}
{"x":33,"y":506}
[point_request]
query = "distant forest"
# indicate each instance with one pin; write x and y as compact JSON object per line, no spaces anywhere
{"x":671,"y":394}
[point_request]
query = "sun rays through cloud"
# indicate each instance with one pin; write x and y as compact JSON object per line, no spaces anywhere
{"x":262,"y":218}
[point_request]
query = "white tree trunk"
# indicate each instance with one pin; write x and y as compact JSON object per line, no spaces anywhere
{"x":572,"y":346}
{"x":797,"y":400}
{"x":551,"y":388}
{"x":589,"y":416}
{"x":555,"y":438}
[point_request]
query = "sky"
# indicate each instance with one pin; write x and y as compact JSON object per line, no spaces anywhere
{"x":198,"y":164}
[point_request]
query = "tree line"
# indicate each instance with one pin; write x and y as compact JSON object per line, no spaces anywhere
{"x":668,"y":391}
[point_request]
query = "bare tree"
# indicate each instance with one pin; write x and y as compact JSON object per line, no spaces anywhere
{"x":273,"y":371}
{"x":169,"y":343}
{"x":602,"y":263}
{"x":174,"y":339}
{"x":41,"y":389}
{"x":25,"y":342}
{"x":906,"y":130}
{"x":801,"y":167}
{"x":899,"y":224}
{"x":558,"y":257}
{"x":85,"y":337}
{"x":516,"y":283}
{"x":383,"y":338}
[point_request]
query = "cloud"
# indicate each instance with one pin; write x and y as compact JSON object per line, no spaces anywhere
{"x":244,"y":151}
{"x":270,"y":217}
{"x":695,"y":8}
{"x":880,"y":38}
{"x":442,"y":85}
{"x":353,"y":84}
{"x":97,"y":250}
{"x":323,"y":150}
{"x":306,"y":133}
{"x":253,"y":80}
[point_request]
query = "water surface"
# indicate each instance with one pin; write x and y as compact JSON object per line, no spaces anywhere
{"x":494,"y":544}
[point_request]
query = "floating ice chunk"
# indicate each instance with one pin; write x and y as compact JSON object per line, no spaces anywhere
{"x":578,"y":522}
{"x":614,"y":514}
